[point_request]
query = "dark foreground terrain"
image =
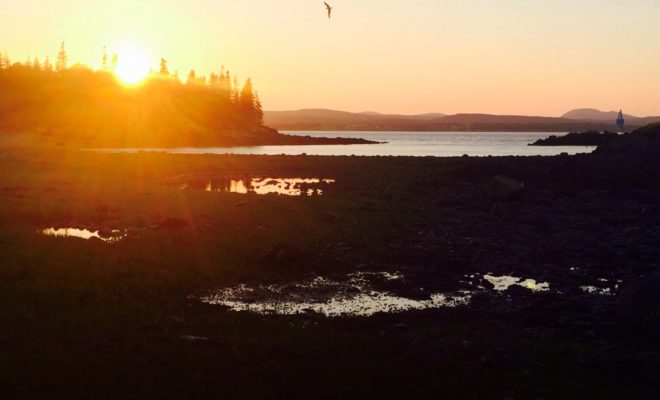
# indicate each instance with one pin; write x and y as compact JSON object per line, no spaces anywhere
{"x":122,"y":319}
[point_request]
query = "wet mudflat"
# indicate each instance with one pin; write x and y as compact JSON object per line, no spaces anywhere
{"x":406,"y":278}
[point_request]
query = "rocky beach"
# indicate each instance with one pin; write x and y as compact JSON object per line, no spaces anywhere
{"x":493,"y":277}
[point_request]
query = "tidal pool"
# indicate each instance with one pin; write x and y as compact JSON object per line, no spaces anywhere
{"x":114,"y":237}
{"x":597,"y":290}
{"x":504,"y":282}
{"x":356,"y":297}
{"x":264,"y":186}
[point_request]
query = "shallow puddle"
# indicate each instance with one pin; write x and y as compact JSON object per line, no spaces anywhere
{"x":264,"y":186}
{"x":597,"y":290}
{"x":502,"y":283}
{"x":113,"y":236}
{"x":356,"y":297}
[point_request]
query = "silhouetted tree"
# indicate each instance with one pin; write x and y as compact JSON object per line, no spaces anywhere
{"x":192,"y":77}
{"x":163,"y":68}
{"x":36,"y":64}
{"x":4,"y":61}
{"x":235,"y":92}
{"x":62,"y":59}
{"x":114,"y":62}
{"x":213,"y":80}
{"x":104,"y":60}
{"x":246,"y":100}
{"x":258,"y":110}
{"x":47,"y":65}
{"x":224,"y":86}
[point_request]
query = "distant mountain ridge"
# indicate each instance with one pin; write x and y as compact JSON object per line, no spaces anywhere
{"x":323,"y":119}
{"x":332,"y":120}
{"x":591,"y":114}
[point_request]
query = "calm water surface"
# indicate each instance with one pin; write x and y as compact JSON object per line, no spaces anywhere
{"x":418,"y":144}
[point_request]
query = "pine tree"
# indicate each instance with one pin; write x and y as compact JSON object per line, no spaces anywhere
{"x":62,"y":59}
{"x":48,"y":67}
{"x":235,"y":92}
{"x":224,"y":85}
{"x":246,"y":100}
{"x":4,"y":62}
{"x":36,"y":64}
{"x":163,"y":68}
{"x":258,"y":110}
{"x":213,"y":80}
{"x":104,"y":60}
{"x":114,"y":62}
{"x":192,"y":77}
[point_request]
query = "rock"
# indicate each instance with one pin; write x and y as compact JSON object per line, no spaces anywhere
{"x":503,"y":188}
{"x":638,"y":303}
{"x":517,"y":291}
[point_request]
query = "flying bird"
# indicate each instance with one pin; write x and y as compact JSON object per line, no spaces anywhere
{"x":329,"y":9}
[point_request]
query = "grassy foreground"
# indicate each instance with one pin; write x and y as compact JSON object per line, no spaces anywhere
{"x":82,"y":319}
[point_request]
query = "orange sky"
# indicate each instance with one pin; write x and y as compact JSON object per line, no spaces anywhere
{"x":406,"y":56}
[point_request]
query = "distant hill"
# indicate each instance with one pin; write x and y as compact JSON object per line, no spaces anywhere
{"x":322,"y":119}
{"x":591,"y":114}
{"x":330,"y":120}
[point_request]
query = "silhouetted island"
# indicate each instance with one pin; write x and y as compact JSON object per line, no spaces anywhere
{"x":84,"y":108}
{"x":640,"y":140}
{"x":589,"y":138}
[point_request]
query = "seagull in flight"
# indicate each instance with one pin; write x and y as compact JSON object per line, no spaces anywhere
{"x":329,"y":9}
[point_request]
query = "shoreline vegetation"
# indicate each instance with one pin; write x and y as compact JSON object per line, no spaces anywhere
{"x":80,"y":107}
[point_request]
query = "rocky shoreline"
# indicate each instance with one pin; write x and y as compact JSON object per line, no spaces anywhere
{"x":581,"y":232}
{"x":603,"y":139}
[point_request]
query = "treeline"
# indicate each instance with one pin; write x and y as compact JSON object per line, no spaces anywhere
{"x":92,"y":107}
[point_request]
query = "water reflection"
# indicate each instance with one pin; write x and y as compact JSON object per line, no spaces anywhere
{"x":502,"y":283}
{"x":263,"y":186}
{"x":113,"y":236}
{"x":597,"y":290}
{"x":356,"y":297}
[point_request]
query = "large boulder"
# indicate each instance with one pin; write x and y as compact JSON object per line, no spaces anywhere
{"x":638,"y":303}
{"x":503,"y":188}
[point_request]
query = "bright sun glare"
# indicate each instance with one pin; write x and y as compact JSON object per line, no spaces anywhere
{"x":132,"y":66}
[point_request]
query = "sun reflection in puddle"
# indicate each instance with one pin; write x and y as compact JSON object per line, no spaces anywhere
{"x":353,"y":298}
{"x":263,"y":186}
{"x":113,"y":236}
{"x":502,"y":283}
{"x":597,"y":290}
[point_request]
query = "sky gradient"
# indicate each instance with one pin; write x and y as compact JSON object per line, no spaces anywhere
{"x":532,"y":57}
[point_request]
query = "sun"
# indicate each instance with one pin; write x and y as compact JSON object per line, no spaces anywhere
{"x":132,"y":66}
